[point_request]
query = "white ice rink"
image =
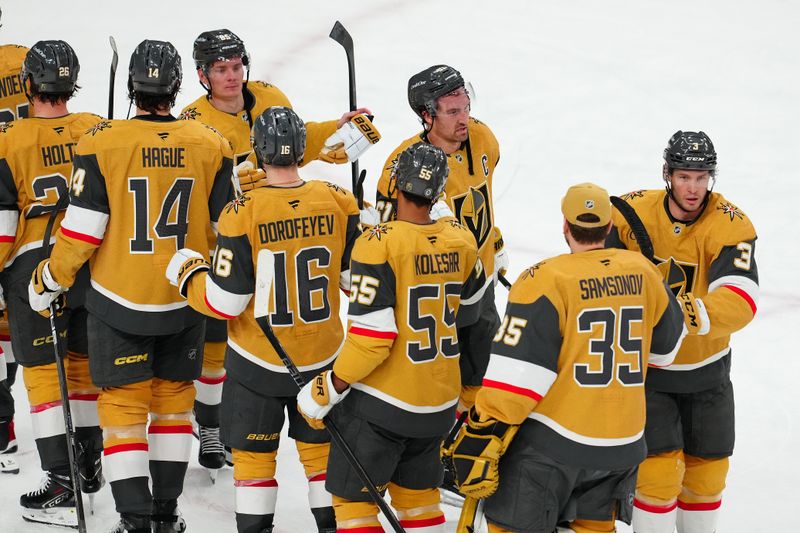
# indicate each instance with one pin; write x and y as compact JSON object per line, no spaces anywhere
{"x":575,"y":91}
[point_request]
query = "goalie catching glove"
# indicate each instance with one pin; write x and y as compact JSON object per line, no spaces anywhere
{"x":247,"y":177}
{"x":695,"y":315}
{"x":183,"y":265}
{"x":317,"y":398}
{"x":475,"y":454}
{"x":350,"y":141}
{"x":44,"y":290}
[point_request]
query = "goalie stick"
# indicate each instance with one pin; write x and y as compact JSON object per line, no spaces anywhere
{"x":341,"y":36}
{"x":112,"y":76}
{"x":637,"y":227}
{"x":265,"y":271}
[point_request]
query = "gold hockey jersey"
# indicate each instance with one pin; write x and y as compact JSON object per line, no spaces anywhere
{"x":35,"y":163}
{"x":140,"y":190}
{"x":13,"y":102}
{"x":714,"y":259}
{"x":258,"y":96}
{"x":468,"y":191}
{"x":570,"y":358}
{"x":310,"y":230}
{"x":410,"y":284}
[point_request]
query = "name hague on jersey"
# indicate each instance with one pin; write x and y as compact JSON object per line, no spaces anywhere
{"x":627,"y":285}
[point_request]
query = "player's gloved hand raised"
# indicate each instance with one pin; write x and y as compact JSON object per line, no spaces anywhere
{"x":183,"y":265}
{"x":695,"y":315}
{"x":441,"y":210}
{"x":351,"y":140}
{"x":500,"y":254}
{"x":317,"y":398}
{"x":247,"y":177}
{"x":369,"y":217}
{"x":476,"y":453}
{"x":44,"y":290}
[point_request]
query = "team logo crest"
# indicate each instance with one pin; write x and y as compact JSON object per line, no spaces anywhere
{"x":335,"y":187}
{"x":189,"y":114}
{"x":97,"y":128}
{"x":377,"y":231}
{"x":236,"y":203}
{"x":731,"y":210}
{"x":531,"y":271}
{"x":472,"y":209}
{"x":633,"y":194}
{"x":5,"y":126}
{"x":679,"y":276}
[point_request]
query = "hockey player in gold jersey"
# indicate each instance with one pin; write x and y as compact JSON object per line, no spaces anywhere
{"x":140,"y":190}
{"x":563,"y":403}
{"x":230,"y":106}
{"x":413,"y":282}
{"x":35,"y":161}
{"x":310,"y":228}
{"x":13,"y":105}
{"x":705,"y":249}
{"x":439,"y":96}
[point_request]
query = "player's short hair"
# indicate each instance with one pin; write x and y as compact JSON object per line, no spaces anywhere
{"x":588,"y":235}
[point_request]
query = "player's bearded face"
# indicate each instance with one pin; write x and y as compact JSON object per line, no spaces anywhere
{"x":452,"y":116}
{"x":226,"y":77}
{"x":689,"y":189}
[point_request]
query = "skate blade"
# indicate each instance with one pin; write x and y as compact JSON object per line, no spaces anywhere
{"x":63,"y":516}
{"x":212,"y":474}
{"x":9,"y":466}
{"x":91,"y":503}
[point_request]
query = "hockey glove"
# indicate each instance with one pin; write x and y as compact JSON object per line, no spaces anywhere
{"x":246,"y":177}
{"x":183,"y":265}
{"x":500,"y":254}
{"x":695,"y":315}
{"x":44,"y":290}
{"x":350,"y":141}
{"x":476,"y":454}
{"x":317,"y":398}
{"x":369,"y":217}
{"x":441,"y":210}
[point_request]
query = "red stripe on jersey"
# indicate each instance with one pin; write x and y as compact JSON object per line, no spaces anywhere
{"x":84,"y":397}
{"x":45,"y":406}
{"x":744,"y":295}
{"x":512,"y":388}
{"x":215,"y":310}
{"x":700,"y":506}
{"x":7,"y":238}
{"x":318,"y":477}
{"x":81,"y":236}
{"x":4,"y":337}
{"x":132,"y":447}
{"x":657,"y":509}
{"x":212,"y":381}
{"x":424,"y":522}
{"x":372,"y":333}
{"x":183,"y":428}
{"x":255,"y":482}
{"x":361,"y":529}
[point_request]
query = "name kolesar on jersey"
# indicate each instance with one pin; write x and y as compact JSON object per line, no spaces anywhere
{"x":628,"y":285}
{"x":436,"y":263}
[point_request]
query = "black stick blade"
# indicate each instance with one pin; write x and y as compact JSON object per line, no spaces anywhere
{"x":341,"y":36}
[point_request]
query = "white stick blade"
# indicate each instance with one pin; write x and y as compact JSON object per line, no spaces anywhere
{"x":265,"y":272}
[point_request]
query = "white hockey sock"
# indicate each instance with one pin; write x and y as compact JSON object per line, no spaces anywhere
{"x":84,"y":410}
{"x":649,"y":518}
{"x":209,"y":389}
{"x":317,"y":495}
{"x":256,"y":496}
{"x":698,"y":517}
{"x":48,"y":420}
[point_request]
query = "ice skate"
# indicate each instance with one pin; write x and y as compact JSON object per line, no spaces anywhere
{"x":166,"y":518}
{"x":90,"y":473}
{"x":132,"y":523}
{"x":52,"y":503}
{"x":8,"y":438}
{"x":212,"y":453}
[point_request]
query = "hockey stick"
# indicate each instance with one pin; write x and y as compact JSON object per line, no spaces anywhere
{"x":637,"y":227}
{"x":504,"y":281}
{"x":341,"y":36}
{"x":72,"y":443}
{"x":265,"y":271}
{"x":111,"y":76}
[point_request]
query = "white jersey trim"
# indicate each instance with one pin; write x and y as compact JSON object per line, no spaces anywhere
{"x":280,"y":368}
{"x":479,"y":294}
{"x":226,"y":302}
{"x":380,"y":320}
{"x":85,"y":221}
{"x":34,"y":245}
{"x":583,"y":439}
{"x":8,"y":222}
{"x":746,"y":284}
{"x":705,"y":362}
{"x":420,"y":409}
{"x":147,"y":308}
{"x":522,"y":374}
{"x":661,"y":360}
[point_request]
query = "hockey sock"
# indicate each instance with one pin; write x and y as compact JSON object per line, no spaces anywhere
{"x":418,"y":510}
{"x":593,"y":526}
{"x":126,"y":460}
{"x":356,"y":517}
{"x":209,"y":385}
{"x":256,"y":490}
{"x":170,"y":439}
{"x":315,"y":462}
{"x":46,"y":414}
{"x":649,"y":518}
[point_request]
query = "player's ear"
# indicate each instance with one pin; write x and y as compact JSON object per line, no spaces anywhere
{"x":608,"y":228}
{"x":427,"y":120}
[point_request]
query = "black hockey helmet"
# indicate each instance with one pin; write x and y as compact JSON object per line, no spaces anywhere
{"x":422,"y":170}
{"x":279,"y":137}
{"x":52,"y":67}
{"x":425,"y":87}
{"x":155,"y":69}
{"x":218,"y":45}
{"x":690,"y":150}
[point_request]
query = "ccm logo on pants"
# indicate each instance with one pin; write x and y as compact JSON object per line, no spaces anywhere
{"x":130,"y":359}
